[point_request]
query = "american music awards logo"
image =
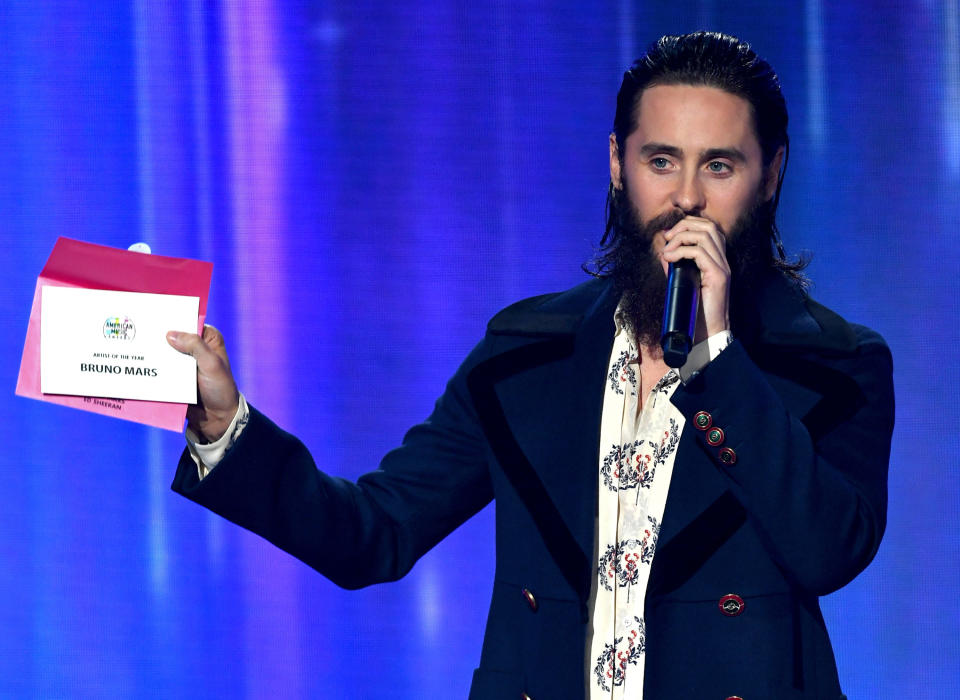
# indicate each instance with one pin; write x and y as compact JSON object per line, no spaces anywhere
{"x":119,"y":328}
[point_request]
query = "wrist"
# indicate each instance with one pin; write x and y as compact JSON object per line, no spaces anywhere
{"x":719,"y":327}
{"x":709,"y":327}
{"x":213,"y":430}
{"x":209,"y":425}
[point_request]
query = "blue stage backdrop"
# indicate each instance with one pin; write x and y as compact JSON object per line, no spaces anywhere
{"x":373,"y":180}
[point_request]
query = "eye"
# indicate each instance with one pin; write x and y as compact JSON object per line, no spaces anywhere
{"x":660,"y":163}
{"x":718,"y":167}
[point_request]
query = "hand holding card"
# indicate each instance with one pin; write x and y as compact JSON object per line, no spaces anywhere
{"x":85,"y":267}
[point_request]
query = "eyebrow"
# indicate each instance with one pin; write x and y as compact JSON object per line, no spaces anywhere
{"x":730,"y":153}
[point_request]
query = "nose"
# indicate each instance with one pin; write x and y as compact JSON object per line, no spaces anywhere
{"x":689,"y":195}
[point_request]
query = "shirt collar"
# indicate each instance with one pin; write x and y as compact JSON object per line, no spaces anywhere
{"x":699,"y":356}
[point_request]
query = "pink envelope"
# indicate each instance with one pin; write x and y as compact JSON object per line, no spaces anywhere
{"x":78,"y":264}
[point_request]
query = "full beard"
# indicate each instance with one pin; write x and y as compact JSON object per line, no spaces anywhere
{"x":638,"y":274}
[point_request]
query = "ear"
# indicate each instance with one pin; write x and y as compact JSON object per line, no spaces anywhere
{"x":772,"y":176}
{"x":615,"y":163}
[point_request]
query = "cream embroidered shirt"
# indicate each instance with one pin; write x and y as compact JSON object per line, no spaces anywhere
{"x":637,"y":451}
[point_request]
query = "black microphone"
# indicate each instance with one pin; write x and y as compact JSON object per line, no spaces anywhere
{"x":680,"y":311}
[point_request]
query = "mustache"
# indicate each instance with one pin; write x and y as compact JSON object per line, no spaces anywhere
{"x":665,"y":221}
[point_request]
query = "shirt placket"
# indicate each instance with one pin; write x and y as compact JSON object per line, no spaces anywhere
{"x":629,"y":608}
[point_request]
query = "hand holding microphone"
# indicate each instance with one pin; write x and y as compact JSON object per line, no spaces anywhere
{"x":698,"y":279}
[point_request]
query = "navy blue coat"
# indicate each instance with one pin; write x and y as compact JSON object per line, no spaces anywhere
{"x":805,"y":401}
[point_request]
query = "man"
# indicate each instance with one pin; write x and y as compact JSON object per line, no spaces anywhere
{"x":660,"y":533}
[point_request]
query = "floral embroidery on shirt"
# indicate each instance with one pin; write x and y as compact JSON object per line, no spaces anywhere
{"x":611,"y":666}
{"x":664,"y":385}
{"x":628,"y":467}
{"x":622,"y":373}
{"x":237,"y":429}
{"x":625,"y":467}
{"x":668,"y":443}
{"x":639,"y":441}
{"x":621,"y":562}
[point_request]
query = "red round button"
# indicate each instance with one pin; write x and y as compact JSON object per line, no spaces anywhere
{"x":702,"y":420}
{"x":715,"y":437}
{"x":531,"y":601}
{"x":728,"y":456}
{"x":731,"y":605}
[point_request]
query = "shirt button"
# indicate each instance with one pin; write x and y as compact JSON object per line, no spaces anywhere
{"x":531,"y":601}
{"x":715,"y":437}
{"x":728,"y":456}
{"x":731,"y":605}
{"x":703,"y":420}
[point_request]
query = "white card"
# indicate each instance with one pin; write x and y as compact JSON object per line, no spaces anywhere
{"x":95,"y":342}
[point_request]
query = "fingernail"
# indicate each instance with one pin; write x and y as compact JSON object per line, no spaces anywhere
{"x":173,"y":337}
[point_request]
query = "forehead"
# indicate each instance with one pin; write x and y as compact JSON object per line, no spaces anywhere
{"x":695,"y":118}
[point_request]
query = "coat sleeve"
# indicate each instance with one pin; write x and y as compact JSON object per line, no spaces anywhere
{"x":359,"y":533}
{"x":814,"y":486}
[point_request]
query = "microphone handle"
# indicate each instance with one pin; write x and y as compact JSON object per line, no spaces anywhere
{"x":680,"y":311}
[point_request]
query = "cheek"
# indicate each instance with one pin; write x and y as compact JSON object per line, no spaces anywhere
{"x":650,"y":193}
{"x":727,"y":205}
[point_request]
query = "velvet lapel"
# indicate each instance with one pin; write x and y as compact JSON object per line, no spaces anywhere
{"x":702,"y":513}
{"x":539,"y":403}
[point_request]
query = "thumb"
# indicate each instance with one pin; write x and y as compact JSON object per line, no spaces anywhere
{"x":208,"y":350}
{"x":187,"y":343}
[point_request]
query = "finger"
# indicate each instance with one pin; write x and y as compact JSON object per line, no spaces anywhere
{"x":693,"y":223}
{"x":697,"y":231}
{"x":193,"y":344}
{"x":211,"y":356}
{"x":212,"y":337}
{"x":695,"y":238}
{"x":711,"y":274}
{"x":187,"y":343}
{"x":698,"y":248}
{"x":698,"y":227}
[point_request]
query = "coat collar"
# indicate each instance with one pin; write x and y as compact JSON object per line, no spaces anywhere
{"x":789,"y":319}
{"x":785,"y":316}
